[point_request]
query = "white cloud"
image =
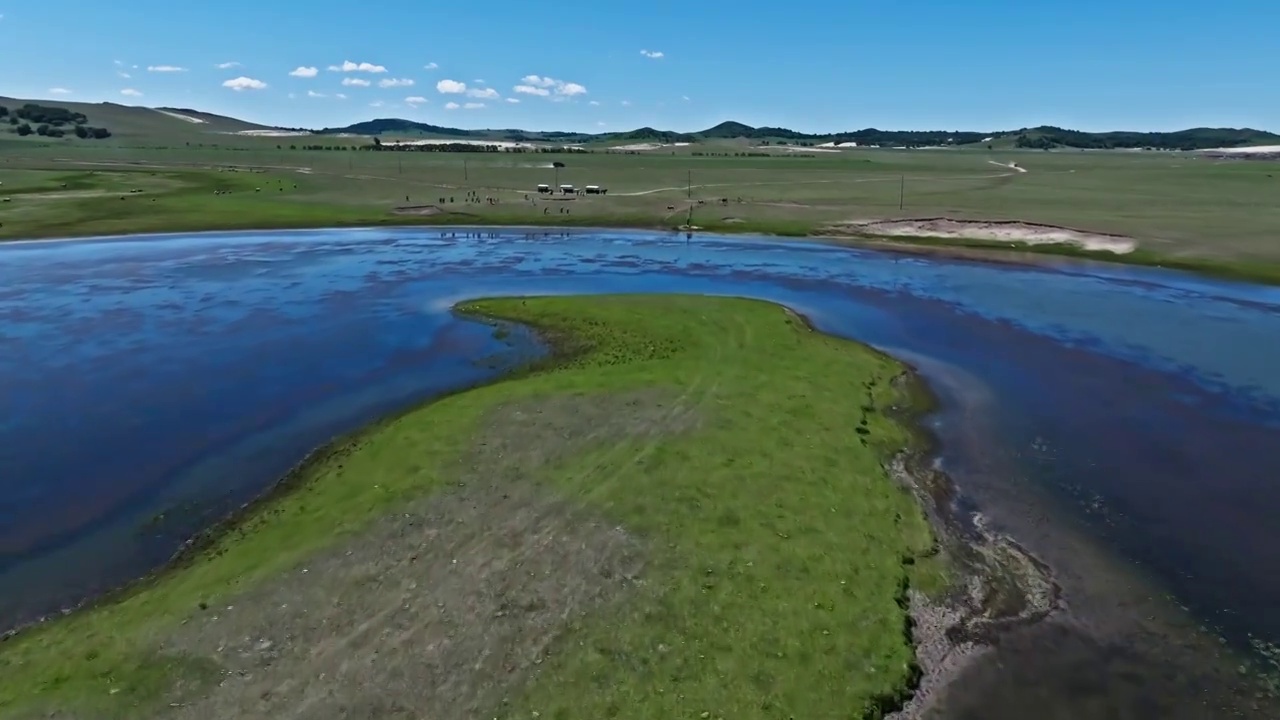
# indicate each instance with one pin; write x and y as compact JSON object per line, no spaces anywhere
{"x":130,"y":92}
{"x":594,"y":102}
{"x":538,"y":81}
{"x":348,"y":66}
{"x":165,"y":68}
{"x":483,"y":93}
{"x":304,"y":71}
{"x":356,"y":82}
{"x":452,"y":106}
{"x":473,"y":106}
{"x":124,"y":75}
{"x":602,"y":123}
{"x":451,"y":87}
{"x":244,"y":83}
{"x":653,"y":54}
{"x":293,"y":96}
{"x":340,"y":96}
{"x":59,"y":91}
{"x":376,"y":104}
{"x":227,"y":65}
{"x":415,"y":100}
{"x":430,"y":66}
{"x":314,"y":94}
{"x":395,"y":82}
{"x":626,"y":103}
{"x":684,"y":98}
{"x":479,"y":81}
{"x":514,"y":101}
{"x":543,"y":86}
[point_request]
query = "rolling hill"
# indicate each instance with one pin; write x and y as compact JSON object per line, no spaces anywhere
{"x":174,"y":125}
{"x":153,"y":124}
{"x":1044,"y":137}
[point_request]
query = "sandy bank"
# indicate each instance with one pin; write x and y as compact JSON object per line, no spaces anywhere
{"x":1003,"y":231}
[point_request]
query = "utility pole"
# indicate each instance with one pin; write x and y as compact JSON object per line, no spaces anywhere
{"x":902,"y":191}
{"x":464,"y":171}
{"x":689,"y":188}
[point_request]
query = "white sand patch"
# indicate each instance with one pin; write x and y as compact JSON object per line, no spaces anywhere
{"x":1254,"y":150}
{"x":460,"y":141}
{"x":180,"y":116}
{"x":1010,"y":165}
{"x":795,"y":148}
{"x":1011,"y":231}
{"x":988,"y":139}
{"x":270,"y":132}
{"x":640,"y":147}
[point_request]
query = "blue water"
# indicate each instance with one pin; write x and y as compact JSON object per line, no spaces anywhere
{"x":183,"y":374}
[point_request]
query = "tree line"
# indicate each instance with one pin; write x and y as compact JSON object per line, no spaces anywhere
{"x":1045,"y":138}
{"x":50,"y":122}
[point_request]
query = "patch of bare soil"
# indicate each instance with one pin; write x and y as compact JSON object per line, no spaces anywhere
{"x":1011,"y":231}
{"x":445,"y":608}
{"x":417,"y":210}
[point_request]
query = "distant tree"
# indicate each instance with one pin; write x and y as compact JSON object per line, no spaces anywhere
{"x":57,"y":132}
{"x":81,"y":131}
{"x":3,"y":111}
{"x":42,"y":114}
{"x":24,"y":129}
{"x":100,"y":133}
{"x":293,"y":147}
{"x":42,"y":129}
{"x":377,"y":142}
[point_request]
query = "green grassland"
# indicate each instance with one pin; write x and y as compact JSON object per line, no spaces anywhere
{"x":1183,"y":209}
{"x":780,"y":548}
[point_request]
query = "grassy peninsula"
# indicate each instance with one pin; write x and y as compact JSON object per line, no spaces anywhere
{"x":685,"y":514}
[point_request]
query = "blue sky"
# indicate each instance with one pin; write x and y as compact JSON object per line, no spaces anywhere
{"x":807,"y":64}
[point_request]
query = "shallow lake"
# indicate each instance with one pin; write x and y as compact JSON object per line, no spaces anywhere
{"x":1120,"y":422}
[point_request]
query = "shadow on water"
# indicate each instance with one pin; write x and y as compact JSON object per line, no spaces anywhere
{"x":1119,"y":422}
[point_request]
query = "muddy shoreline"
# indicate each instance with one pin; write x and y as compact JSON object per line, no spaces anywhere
{"x":996,"y":585}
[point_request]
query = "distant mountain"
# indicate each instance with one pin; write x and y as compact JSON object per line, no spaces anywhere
{"x":728,"y":130}
{"x":648,"y":134}
{"x":1046,"y":137}
{"x":397,"y":126}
